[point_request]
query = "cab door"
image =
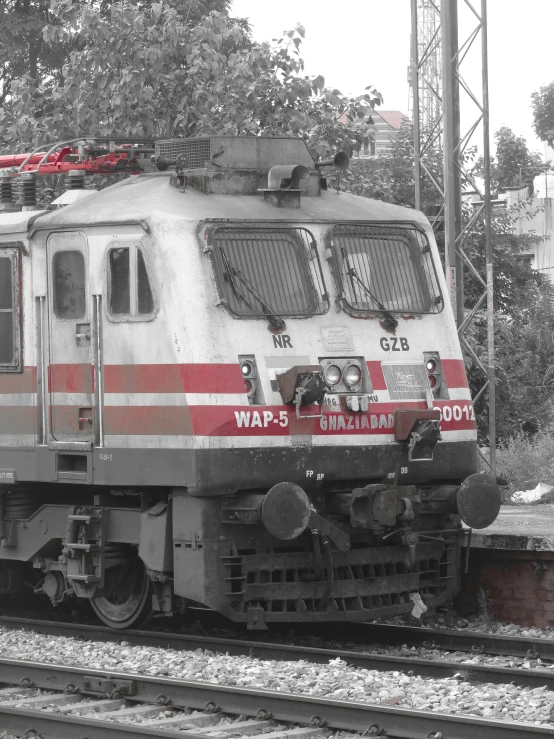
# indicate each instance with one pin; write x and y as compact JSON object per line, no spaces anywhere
{"x":70,"y":371}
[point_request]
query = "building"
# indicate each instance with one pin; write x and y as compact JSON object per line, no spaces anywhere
{"x":535,"y":215}
{"x":382,"y":128}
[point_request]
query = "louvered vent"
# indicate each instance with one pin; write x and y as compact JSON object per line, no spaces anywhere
{"x":195,"y":151}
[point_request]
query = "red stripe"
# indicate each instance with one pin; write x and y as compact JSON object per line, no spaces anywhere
{"x":454,"y":373}
{"x":21,"y":382}
{"x":65,"y":420}
{"x":143,"y":420}
{"x":173,"y":378}
{"x":70,"y":378}
{"x":17,"y":420}
{"x":376,"y":375}
{"x":222,"y":420}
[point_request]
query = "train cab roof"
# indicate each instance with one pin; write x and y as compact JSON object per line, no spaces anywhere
{"x":156,"y":196}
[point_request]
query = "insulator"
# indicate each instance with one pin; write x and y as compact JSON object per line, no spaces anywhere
{"x":27,"y":190}
{"x":7,"y":194}
{"x":75,"y":180}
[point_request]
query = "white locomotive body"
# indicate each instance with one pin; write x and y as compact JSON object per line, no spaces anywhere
{"x":242,"y":391}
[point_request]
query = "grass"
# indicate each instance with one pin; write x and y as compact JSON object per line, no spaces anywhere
{"x":524,"y":461}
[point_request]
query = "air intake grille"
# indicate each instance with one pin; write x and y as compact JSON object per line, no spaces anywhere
{"x":195,"y":151}
{"x":406,"y":381}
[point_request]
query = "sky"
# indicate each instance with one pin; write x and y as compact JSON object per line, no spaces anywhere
{"x":367,"y":42}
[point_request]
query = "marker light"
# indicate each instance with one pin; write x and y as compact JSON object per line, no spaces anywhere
{"x":332,"y":375}
{"x":247,"y":386}
{"x":246,"y":369}
{"x":352,"y":375}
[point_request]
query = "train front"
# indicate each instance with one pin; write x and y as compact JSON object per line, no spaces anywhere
{"x":336,"y":490}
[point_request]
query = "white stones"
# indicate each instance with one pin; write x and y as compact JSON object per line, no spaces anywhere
{"x":335,"y":680}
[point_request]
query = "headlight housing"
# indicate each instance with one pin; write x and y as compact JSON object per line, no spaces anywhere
{"x":352,"y":375}
{"x":333,"y":375}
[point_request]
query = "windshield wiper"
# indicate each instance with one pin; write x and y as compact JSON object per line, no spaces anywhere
{"x":390,"y":321}
{"x":275,"y":322}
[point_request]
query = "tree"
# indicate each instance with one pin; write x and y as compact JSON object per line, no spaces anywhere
{"x":22,"y":49}
{"x":514,"y":165}
{"x":162,"y":75}
{"x":542,"y":103}
{"x":391,"y":178}
{"x":24,"y":52}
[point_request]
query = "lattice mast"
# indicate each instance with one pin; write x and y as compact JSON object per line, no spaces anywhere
{"x":436,"y":82}
{"x":426,"y":88}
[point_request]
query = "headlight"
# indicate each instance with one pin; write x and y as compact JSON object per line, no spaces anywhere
{"x":246,"y":369}
{"x":352,"y":375}
{"x":431,"y":365}
{"x":332,"y":375}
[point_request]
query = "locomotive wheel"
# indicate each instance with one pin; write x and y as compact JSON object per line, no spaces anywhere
{"x":126,"y":598}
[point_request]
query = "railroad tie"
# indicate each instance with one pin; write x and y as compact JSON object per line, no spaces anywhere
{"x":136,"y":710}
{"x":246,"y":728}
{"x":104,"y":705}
{"x":190,"y":720}
{"x":307,"y":732}
{"x":58,"y":699}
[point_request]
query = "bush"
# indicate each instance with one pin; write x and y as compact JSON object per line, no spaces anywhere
{"x":527,"y":460}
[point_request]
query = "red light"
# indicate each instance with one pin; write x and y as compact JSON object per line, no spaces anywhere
{"x":432,"y":381}
{"x":247,"y":386}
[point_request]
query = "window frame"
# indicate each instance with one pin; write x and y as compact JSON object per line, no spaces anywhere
{"x":404,"y":230}
{"x":54,"y":245}
{"x":53,"y":257}
{"x":14,"y":254}
{"x":133,"y":317}
{"x":312,"y":277}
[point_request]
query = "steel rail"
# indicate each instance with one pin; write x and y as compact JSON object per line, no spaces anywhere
{"x":375,"y":720}
{"x":432,"y":668}
{"x":450,"y":639}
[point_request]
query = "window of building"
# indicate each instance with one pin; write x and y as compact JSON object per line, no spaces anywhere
{"x":129,"y":291}
{"x":68,"y":268}
{"x":10,"y":353}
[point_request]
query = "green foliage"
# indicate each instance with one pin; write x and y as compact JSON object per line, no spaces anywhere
{"x":149,"y":71}
{"x":542,"y":103}
{"x":525,"y":461}
{"x":514,"y":165}
{"x":22,"y":49}
{"x":391,"y":178}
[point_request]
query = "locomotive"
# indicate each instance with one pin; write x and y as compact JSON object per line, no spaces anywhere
{"x":227,"y":386}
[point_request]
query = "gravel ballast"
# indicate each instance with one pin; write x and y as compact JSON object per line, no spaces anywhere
{"x":480,"y":624}
{"x":335,"y":680}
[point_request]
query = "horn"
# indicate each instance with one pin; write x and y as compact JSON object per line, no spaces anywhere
{"x":341,"y":160}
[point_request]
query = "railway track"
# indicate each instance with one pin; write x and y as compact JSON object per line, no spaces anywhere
{"x":84,"y":702}
{"x":453,"y":640}
{"x":531,"y":678}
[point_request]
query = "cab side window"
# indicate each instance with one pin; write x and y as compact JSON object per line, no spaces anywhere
{"x":10,"y":352}
{"x":69,"y":285}
{"x":129,"y":291}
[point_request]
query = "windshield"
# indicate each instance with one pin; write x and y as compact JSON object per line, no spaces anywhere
{"x":386,"y":268}
{"x":268,"y":272}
